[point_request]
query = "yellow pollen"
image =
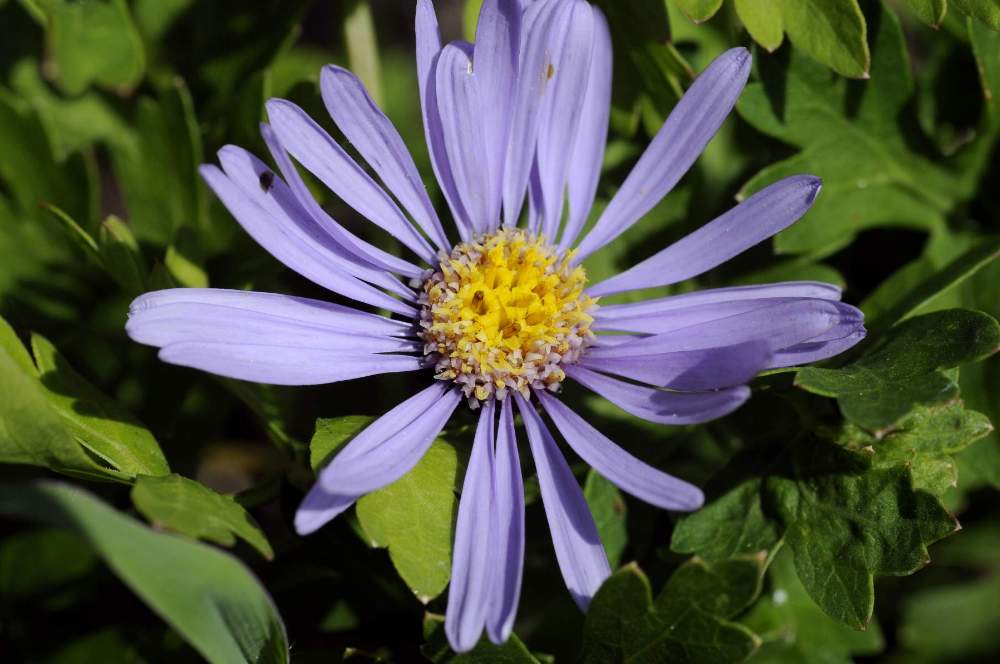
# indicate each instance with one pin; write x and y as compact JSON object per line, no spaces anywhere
{"x":504,"y":312}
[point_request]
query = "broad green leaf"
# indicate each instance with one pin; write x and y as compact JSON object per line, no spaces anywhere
{"x":96,"y":421}
{"x":931,"y":12}
{"x":688,"y":622}
{"x":414,"y":517}
{"x":93,"y":42}
{"x":987,"y":11}
{"x":332,"y":434}
{"x":608,"y":507}
{"x":436,"y":649}
{"x":762,"y":22}
{"x":832,"y":31}
{"x":794,"y":629}
{"x":849,"y":134}
{"x":362,"y":47}
{"x":11,"y":344}
{"x":191,"y":508}
{"x":911,"y":368}
{"x":42,"y":561}
{"x":699,"y":10}
{"x":208,"y":597}
{"x":844,"y":521}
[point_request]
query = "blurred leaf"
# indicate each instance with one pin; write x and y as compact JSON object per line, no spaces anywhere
{"x":104,"y":646}
{"x":191,"y":508}
{"x":470,"y":18}
{"x":954,"y":622}
{"x":608,"y":507}
{"x":931,"y":12}
{"x":122,"y":257}
{"x":154,"y":17}
{"x":414,"y":517}
{"x":849,"y":134}
{"x":794,"y":629}
{"x":96,"y":421}
{"x":688,"y":621}
{"x":910,"y":368}
{"x":41,"y":561}
{"x":185,"y":260}
{"x":362,"y":47}
{"x":987,"y":11}
{"x":699,"y":10}
{"x":986,"y":49}
{"x":206,"y":595}
{"x":93,"y":42}
{"x":436,"y":649}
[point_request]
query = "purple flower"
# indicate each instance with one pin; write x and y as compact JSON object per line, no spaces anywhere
{"x":505,"y":314}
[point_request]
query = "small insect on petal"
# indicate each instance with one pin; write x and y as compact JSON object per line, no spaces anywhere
{"x":266,"y":180}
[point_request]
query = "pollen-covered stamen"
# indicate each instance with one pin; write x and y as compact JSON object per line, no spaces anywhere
{"x":504,"y":312}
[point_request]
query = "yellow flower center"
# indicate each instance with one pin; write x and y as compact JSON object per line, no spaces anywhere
{"x":504,"y":312}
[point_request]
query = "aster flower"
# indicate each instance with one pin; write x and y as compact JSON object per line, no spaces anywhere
{"x":501,"y":318}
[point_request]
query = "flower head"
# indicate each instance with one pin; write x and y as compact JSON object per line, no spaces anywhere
{"x":502,"y":317}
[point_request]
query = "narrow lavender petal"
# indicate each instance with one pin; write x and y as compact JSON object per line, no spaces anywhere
{"x":246,"y":170}
{"x":783,"y":323}
{"x":475,"y":534}
{"x":814,"y":351}
{"x":688,"y":129}
{"x":815,"y":289}
{"x":702,"y":369}
{"x":362,"y":251}
{"x":591,"y":136}
{"x":509,"y":546}
{"x":536,"y":201}
{"x":372,"y":461}
{"x":307,"y":311}
{"x":569,"y":75}
{"x":284,"y":245}
{"x":319,"y":507}
{"x":540,"y":22}
{"x":655,"y":405}
{"x":618,"y":466}
{"x":495,"y":60}
{"x":770,"y":210}
{"x":459,"y":102}
{"x":180,"y":323}
{"x":368,"y":129}
{"x":582,"y":560}
{"x":428,"y":51}
{"x":313,"y":148}
{"x":282,"y":365}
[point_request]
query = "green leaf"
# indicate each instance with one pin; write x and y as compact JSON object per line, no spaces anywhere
{"x":608,"y":507}
{"x":414,"y":517}
{"x":986,"y":49}
{"x":107,"y":645}
{"x":362,"y":47}
{"x":699,"y":10}
{"x":436,"y":648}
{"x":831,"y":31}
{"x":42,"y":561}
{"x":688,"y":621}
{"x":957,"y":622}
{"x":185,"y":260}
{"x":191,"y":508}
{"x":794,"y":629}
{"x":470,"y":18}
{"x":332,"y":434}
{"x":909,"y":369}
{"x":930,"y":12}
{"x":96,"y":421}
{"x":762,"y":22}
{"x":208,"y":597}
{"x":93,"y":42}
{"x":987,"y":11}
{"x":844,"y":521}
{"x":121,"y":256}
{"x":849,"y":134}
{"x":11,"y":344}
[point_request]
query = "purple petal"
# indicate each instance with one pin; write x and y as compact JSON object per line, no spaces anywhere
{"x":814,"y":289}
{"x":688,"y":129}
{"x":568,"y":75}
{"x":781,"y":323}
{"x":814,"y":351}
{"x":495,"y":61}
{"x":509,"y":545}
{"x":475,"y":531}
{"x":363,"y":252}
{"x":655,"y":405}
{"x":591,"y":136}
{"x":279,"y":234}
{"x":428,"y":50}
{"x":703,"y":369}
{"x":282,"y":365}
{"x":367,"y":128}
{"x":460,"y":109}
{"x":393,"y":444}
{"x":313,"y":148}
{"x":618,"y":466}
{"x":542,"y":23}
{"x":582,"y":560}
{"x":319,"y":507}
{"x":770,"y":210}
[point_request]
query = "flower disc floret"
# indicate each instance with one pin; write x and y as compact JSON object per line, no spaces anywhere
{"x":505,"y":312}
